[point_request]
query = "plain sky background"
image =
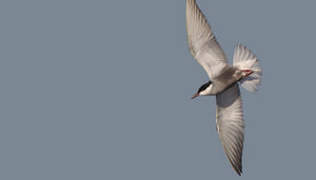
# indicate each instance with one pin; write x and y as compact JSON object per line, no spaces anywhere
{"x":101,"y":90}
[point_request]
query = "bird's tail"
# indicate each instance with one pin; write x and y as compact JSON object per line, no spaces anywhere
{"x":244,"y":59}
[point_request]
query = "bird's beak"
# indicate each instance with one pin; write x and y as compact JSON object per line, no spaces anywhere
{"x":195,"y":95}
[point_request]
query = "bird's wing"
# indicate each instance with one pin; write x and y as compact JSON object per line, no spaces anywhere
{"x":202,"y":42}
{"x":230,"y":125}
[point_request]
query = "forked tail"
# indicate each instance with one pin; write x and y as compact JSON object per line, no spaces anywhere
{"x":244,"y":59}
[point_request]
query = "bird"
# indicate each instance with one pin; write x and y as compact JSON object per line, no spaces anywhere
{"x":224,"y":81}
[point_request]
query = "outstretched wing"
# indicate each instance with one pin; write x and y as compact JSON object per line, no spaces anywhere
{"x":230,"y":125}
{"x":202,"y":43}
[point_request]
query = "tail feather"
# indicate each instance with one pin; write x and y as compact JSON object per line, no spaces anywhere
{"x":244,"y":59}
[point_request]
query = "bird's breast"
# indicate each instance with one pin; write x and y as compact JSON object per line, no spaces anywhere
{"x":225,"y":79}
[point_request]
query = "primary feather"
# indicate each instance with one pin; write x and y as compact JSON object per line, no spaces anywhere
{"x":202,"y":42}
{"x":230,"y":125}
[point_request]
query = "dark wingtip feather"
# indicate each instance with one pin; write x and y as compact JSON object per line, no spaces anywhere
{"x":238,"y":169}
{"x":239,"y":172}
{"x":237,"y":166}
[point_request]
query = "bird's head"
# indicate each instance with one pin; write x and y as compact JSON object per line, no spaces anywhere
{"x":204,"y":90}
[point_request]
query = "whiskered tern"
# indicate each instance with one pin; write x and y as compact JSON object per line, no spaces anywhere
{"x":224,"y":81}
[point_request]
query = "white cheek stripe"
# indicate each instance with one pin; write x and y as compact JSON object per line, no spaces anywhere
{"x":207,"y":91}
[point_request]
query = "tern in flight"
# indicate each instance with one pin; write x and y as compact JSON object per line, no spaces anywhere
{"x":224,"y":81}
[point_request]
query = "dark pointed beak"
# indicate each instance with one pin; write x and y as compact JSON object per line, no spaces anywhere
{"x":195,"y":95}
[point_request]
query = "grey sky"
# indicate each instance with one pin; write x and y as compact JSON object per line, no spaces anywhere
{"x":101,"y":90}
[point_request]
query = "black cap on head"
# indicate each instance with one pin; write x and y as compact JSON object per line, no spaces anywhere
{"x":204,"y":86}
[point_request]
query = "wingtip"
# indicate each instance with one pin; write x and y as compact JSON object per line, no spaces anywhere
{"x":238,"y":171}
{"x":237,"y":168}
